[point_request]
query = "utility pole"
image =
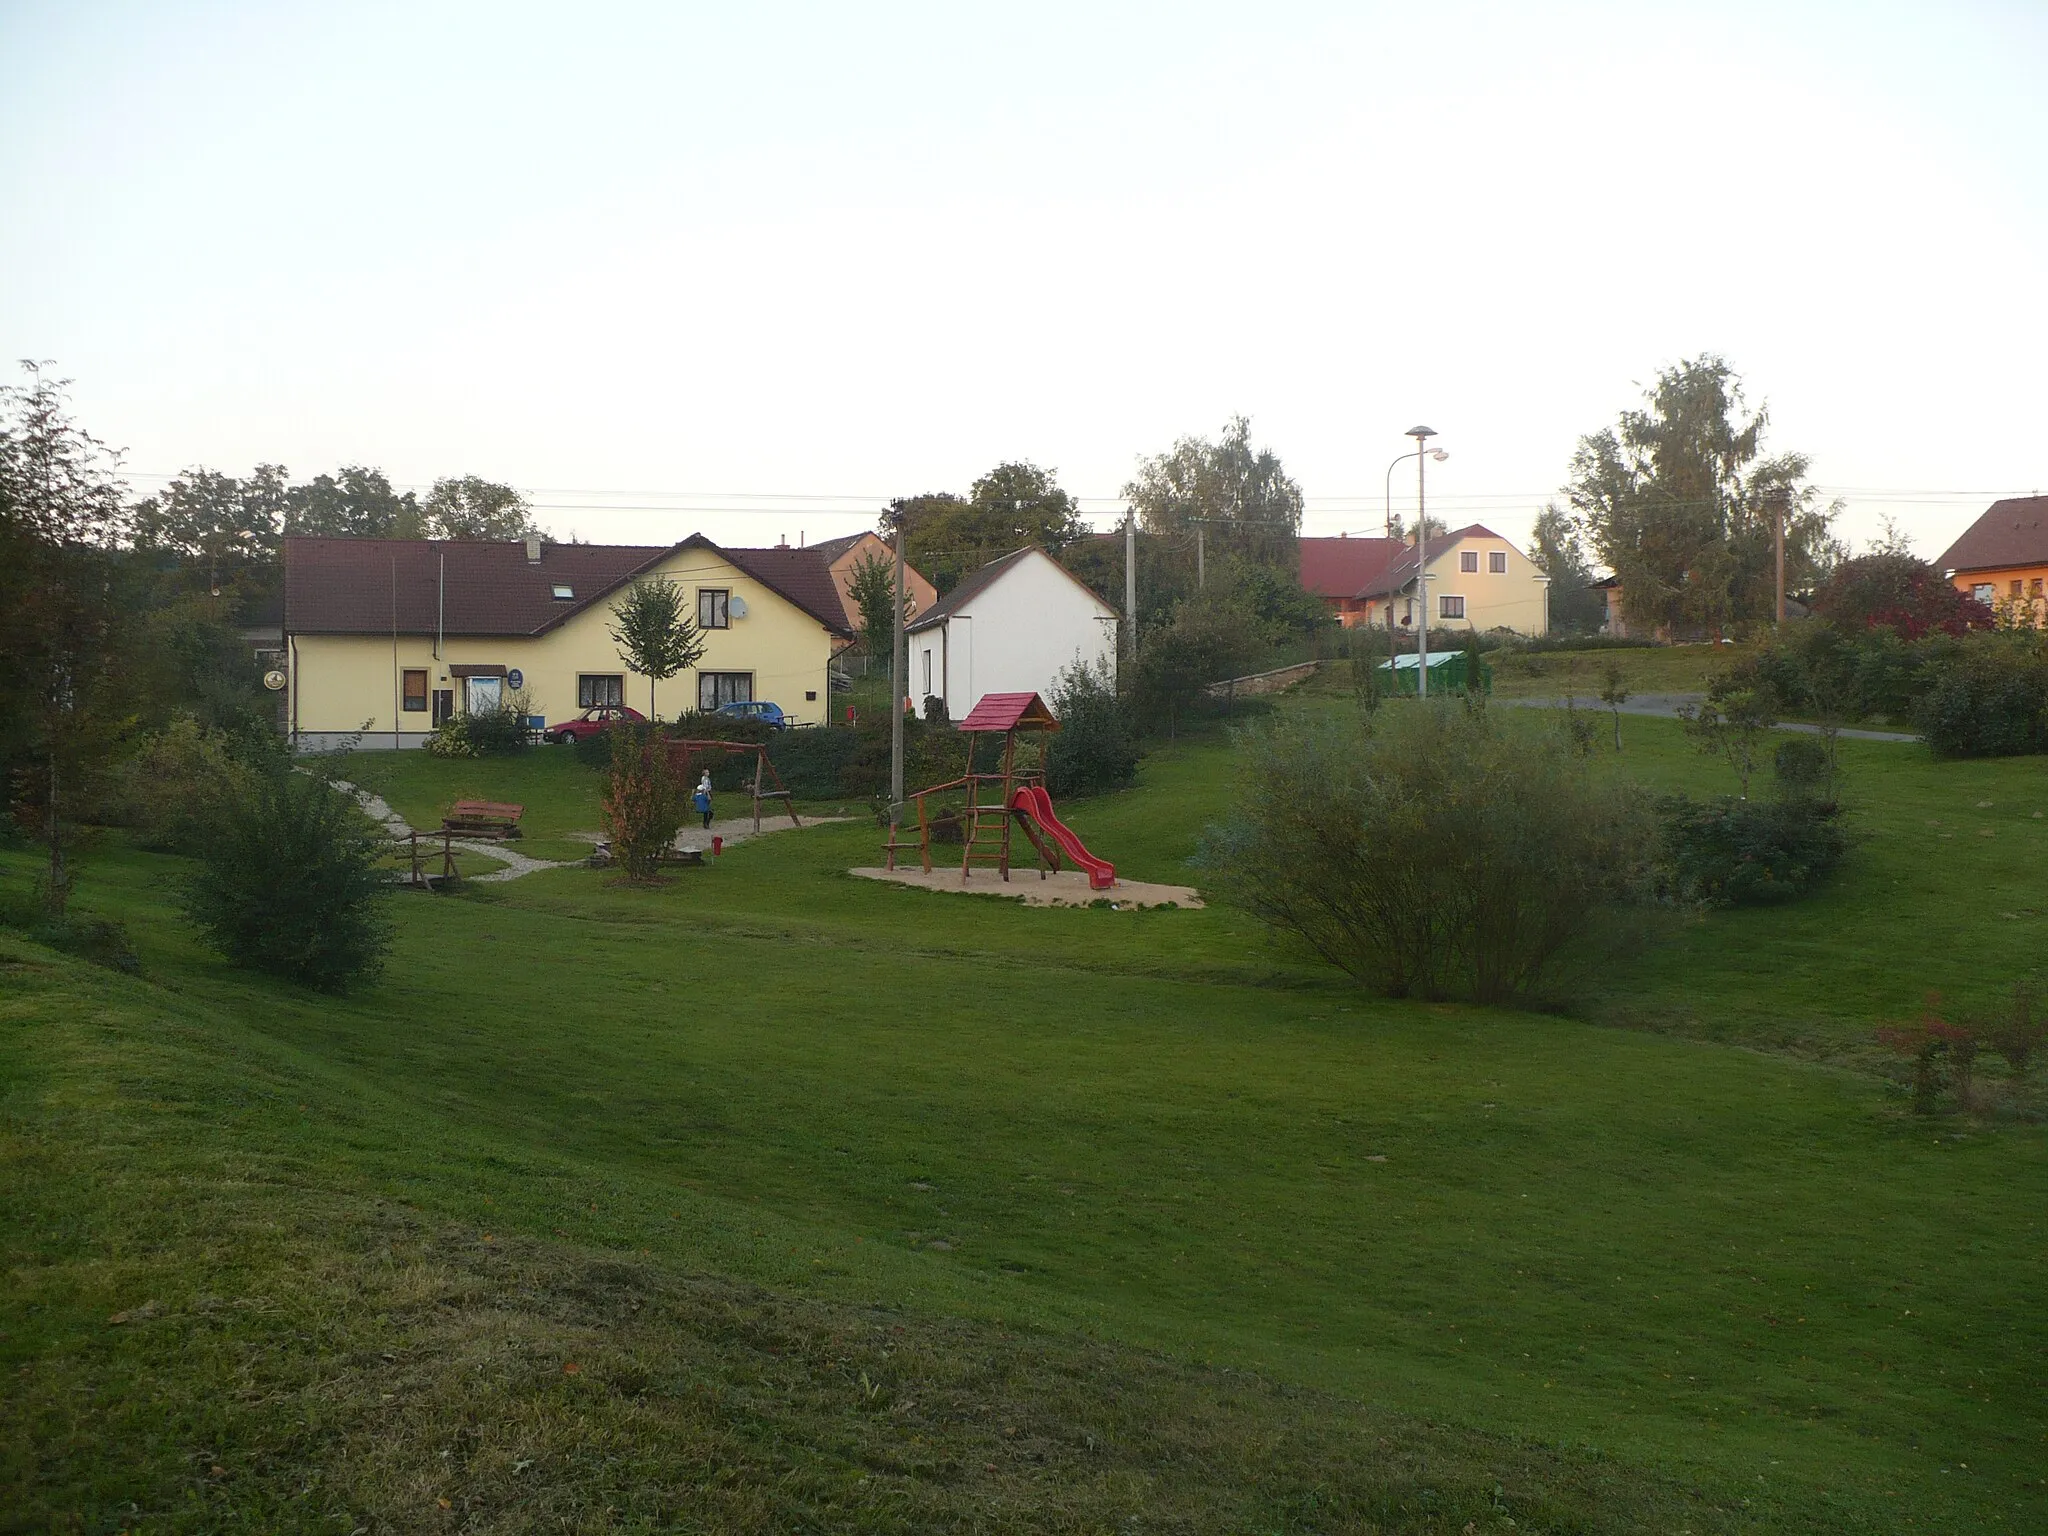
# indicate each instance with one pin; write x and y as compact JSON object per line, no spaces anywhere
{"x":897,"y":668}
{"x":1201,"y":563}
{"x":1780,"y":540}
{"x":1131,"y":585}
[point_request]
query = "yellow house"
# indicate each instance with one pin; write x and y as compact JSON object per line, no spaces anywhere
{"x":385,"y":638}
{"x":1476,"y":580}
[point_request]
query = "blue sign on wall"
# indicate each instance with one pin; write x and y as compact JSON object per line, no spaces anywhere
{"x":515,"y":678}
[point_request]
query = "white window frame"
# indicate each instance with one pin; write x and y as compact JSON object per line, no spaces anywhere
{"x":1984,"y":592}
{"x":1468,"y":562}
{"x":714,"y":608}
{"x":1449,"y":605}
{"x":1496,"y":562}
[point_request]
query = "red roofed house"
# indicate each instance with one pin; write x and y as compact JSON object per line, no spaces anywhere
{"x":1476,"y":579}
{"x":1338,"y":570}
{"x":2002,"y":559}
{"x":385,"y":638}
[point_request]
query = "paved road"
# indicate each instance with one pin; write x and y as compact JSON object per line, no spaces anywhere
{"x":1668,"y":704}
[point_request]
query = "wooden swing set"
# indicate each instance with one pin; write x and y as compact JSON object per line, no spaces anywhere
{"x":681,"y":751}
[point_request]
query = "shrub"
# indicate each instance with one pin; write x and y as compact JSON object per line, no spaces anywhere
{"x":289,"y":882}
{"x":485,"y":733}
{"x":2018,"y":1031}
{"x":813,"y":762}
{"x":642,"y":805}
{"x":98,"y":939}
{"x":1802,"y":768}
{"x":1989,"y":698}
{"x":1094,"y":749}
{"x":1728,"y":852}
{"x":1434,"y":850}
{"x":170,"y":789}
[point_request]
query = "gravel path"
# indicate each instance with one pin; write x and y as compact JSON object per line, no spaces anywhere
{"x":516,"y":864}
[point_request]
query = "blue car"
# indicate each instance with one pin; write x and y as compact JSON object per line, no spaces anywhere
{"x":755,"y":709}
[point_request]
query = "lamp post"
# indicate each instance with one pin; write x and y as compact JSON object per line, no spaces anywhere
{"x":1421,"y":450}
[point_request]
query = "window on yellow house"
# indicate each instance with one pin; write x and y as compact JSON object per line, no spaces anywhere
{"x":1497,"y":562}
{"x":416,"y":691}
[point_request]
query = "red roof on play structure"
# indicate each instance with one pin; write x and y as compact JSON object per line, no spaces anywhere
{"x":1010,"y":712}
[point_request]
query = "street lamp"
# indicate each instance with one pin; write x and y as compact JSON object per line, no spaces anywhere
{"x":1422,"y":450}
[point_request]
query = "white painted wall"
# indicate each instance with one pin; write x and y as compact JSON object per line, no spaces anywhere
{"x":1015,"y":636}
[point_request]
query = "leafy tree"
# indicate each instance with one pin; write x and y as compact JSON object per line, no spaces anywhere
{"x":1213,"y":636}
{"x":947,"y":536}
{"x":1095,"y":748}
{"x":643,"y":803}
{"x":872,"y":585}
{"x":1432,"y":851}
{"x":353,"y":503}
{"x":1166,"y":573}
{"x":213,"y":519}
{"x":1241,"y":498}
{"x":1614,"y":694}
{"x":291,"y":883}
{"x":1680,"y":502}
{"x":1732,"y":723}
{"x":470,"y":507}
{"x":1575,"y":607}
{"x":1892,"y":588}
{"x":67,"y":611}
{"x":654,"y":631}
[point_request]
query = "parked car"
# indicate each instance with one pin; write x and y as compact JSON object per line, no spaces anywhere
{"x":755,"y":709}
{"x":598,"y":718}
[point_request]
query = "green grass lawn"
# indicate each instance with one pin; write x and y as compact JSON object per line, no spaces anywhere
{"x":1649,"y":669}
{"x":1150,"y":1221}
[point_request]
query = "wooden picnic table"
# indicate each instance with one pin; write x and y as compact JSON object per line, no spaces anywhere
{"x":493,"y":820}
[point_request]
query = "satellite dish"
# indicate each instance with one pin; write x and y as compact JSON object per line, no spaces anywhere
{"x":737,"y":608}
{"x":273,"y":680}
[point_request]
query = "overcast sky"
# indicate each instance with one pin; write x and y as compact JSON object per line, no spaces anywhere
{"x":754,"y":269}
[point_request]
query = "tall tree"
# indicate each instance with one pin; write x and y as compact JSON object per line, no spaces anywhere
{"x":353,"y":503}
{"x":1017,"y":503}
{"x":872,"y":586}
{"x":471,"y":507}
{"x":1680,"y":502}
{"x":1575,"y":608}
{"x":653,"y":629}
{"x":1239,"y":497}
{"x":65,"y":612}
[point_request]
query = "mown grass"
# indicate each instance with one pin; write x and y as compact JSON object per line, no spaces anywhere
{"x":1142,"y":1164}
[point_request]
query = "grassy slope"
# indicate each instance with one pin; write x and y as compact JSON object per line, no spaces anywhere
{"x":1743,"y":1272}
{"x":1662,"y":669}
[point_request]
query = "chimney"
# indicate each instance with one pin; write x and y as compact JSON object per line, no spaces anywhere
{"x":782,"y":541}
{"x":533,"y":549}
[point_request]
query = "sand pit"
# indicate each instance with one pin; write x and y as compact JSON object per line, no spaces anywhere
{"x":1063,"y":888}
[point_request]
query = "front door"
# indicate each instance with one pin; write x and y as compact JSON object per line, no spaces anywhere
{"x":444,"y":704}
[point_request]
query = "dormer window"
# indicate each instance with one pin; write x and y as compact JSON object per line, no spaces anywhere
{"x":564,"y":593}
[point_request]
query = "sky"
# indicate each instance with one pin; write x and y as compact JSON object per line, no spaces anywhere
{"x":753,"y":270}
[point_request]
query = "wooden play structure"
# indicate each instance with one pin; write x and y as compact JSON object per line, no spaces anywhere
{"x":420,"y":853}
{"x":997,"y":803}
{"x":680,"y":753}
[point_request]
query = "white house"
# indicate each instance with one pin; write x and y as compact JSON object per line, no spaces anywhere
{"x":1011,"y":627}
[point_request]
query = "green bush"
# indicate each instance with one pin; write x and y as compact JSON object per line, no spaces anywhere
{"x":1989,"y":698}
{"x":1803,"y":768}
{"x":169,"y":790}
{"x":1727,"y":852}
{"x":98,"y":939}
{"x":485,"y":733}
{"x":289,"y":882}
{"x":1095,"y":748}
{"x":643,"y":804}
{"x":1433,"y":850}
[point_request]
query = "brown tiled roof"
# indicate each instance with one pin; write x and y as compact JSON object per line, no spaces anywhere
{"x":371,"y":586}
{"x":834,"y":548}
{"x":804,"y":576}
{"x":2011,"y":532}
{"x":1402,"y":571}
{"x":1342,"y":567}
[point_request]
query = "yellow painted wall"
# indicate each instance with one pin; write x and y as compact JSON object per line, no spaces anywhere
{"x":2033,"y":595}
{"x":342,"y":682}
{"x":1514,"y":599}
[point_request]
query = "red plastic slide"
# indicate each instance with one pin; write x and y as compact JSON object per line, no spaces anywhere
{"x":1035,"y":803}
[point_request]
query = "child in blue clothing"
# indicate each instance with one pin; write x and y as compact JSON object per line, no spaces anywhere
{"x":702,"y":799}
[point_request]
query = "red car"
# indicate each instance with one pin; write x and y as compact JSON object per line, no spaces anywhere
{"x":599,"y":717}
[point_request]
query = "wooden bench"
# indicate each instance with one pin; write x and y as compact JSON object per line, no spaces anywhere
{"x":491,"y":820}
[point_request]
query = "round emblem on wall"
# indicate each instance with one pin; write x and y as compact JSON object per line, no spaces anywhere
{"x":273,"y":679}
{"x":515,"y":678}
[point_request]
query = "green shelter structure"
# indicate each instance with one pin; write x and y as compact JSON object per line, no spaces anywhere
{"x":1447,"y":673}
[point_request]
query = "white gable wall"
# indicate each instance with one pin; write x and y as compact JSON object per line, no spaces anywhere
{"x":1015,"y":636}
